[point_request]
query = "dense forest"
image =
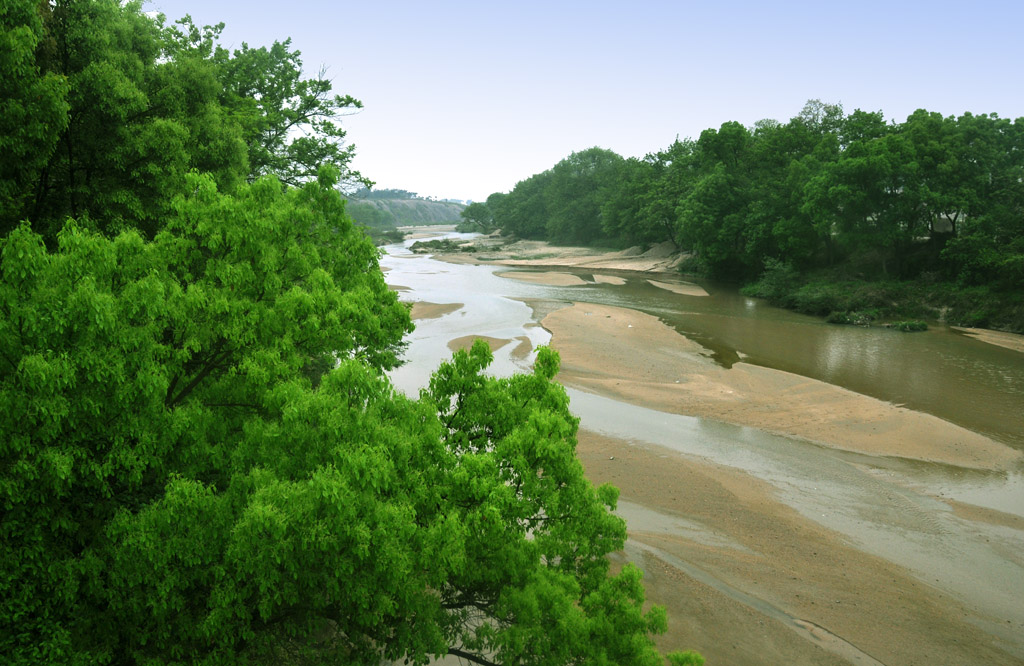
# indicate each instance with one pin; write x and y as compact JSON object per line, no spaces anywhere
{"x":201,"y":459}
{"x":830,"y":213}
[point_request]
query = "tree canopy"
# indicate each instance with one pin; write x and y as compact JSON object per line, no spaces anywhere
{"x":201,"y":458}
{"x":109,"y":109}
{"x":933,"y":195}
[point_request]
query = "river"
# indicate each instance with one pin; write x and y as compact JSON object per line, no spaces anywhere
{"x":888,"y":507}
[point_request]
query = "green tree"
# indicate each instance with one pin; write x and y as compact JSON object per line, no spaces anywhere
{"x":476,"y":217}
{"x":642,"y":205}
{"x":524,"y":212}
{"x":578,"y":187}
{"x":988,"y":246}
{"x":714,"y":216}
{"x":185,"y":478}
{"x":289,"y":123}
{"x":33,"y":107}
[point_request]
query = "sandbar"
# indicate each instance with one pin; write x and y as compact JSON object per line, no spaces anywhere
{"x":424,"y":310}
{"x":466,"y":341}
{"x":661,"y":258}
{"x":634,"y":357}
{"x":999,"y":338}
{"x":682,"y":288}
{"x":551,"y":279}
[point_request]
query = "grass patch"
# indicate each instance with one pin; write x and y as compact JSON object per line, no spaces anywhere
{"x":908,"y":326}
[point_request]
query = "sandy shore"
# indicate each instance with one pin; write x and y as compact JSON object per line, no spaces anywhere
{"x":634,"y":357}
{"x":998,"y":338}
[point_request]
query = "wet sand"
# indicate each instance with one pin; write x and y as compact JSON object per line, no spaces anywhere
{"x":550,"y":278}
{"x":746,"y":577}
{"x":998,"y":338}
{"x":747,"y":580}
{"x":521,"y":350}
{"x":557,"y":279}
{"x":682,"y":288}
{"x":632,"y":356}
{"x":424,"y":310}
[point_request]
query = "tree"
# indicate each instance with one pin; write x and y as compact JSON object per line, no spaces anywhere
{"x":642,"y":203}
{"x":714,"y":216}
{"x":185,"y":477}
{"x":110,"y":108}
{"x":578,"y":187}
{"x":523,"y":212}
{"x":290,"y":123}
{"x":33,"y":108}
{"x":476,"y":217}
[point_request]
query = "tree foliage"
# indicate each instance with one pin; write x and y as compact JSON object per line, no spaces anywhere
{"x":201,"y":458}
{"x":933,"y":195}
{"x":111,"y":108}
{"x":184,"y":481}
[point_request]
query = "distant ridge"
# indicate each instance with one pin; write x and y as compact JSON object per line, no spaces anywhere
{"x":400,"y":212}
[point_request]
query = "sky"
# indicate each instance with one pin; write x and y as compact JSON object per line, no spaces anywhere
{"x":463,"y":99}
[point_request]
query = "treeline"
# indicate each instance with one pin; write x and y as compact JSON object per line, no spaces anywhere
{"x":368,"y":193}
{"x":940,"y":198}
{"x":201,"y":458}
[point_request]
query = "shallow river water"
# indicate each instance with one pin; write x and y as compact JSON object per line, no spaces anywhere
{"x":887,"y":506}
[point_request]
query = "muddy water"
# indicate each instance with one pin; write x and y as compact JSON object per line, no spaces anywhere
{"x":888,"y":507}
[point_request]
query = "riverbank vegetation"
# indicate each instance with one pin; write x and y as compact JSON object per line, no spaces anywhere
{"x":201,"y":459}
{"x":869,"y":214}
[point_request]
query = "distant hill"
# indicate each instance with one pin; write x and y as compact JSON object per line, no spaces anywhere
{"x":402,"y":212}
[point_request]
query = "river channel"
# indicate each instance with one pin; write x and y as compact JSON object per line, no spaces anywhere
{"x":891,"y":508}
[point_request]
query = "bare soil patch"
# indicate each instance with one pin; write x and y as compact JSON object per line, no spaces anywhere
{"x":466,"y":341}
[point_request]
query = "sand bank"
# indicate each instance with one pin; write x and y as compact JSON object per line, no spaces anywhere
{"x":550,"y":278}
{"x":424,"y":310}
{"x":557,"y":279}
{"x":682,"y":288}
{"x":998,"y":338}
{"x":521,"y":350}
{"x":748,"y":580}
{"x":631,"y":356}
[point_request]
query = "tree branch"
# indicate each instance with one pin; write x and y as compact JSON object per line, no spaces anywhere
{"x":468,"y":656}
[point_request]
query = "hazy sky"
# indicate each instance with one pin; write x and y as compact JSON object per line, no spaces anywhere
{"x":463,"y":99}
